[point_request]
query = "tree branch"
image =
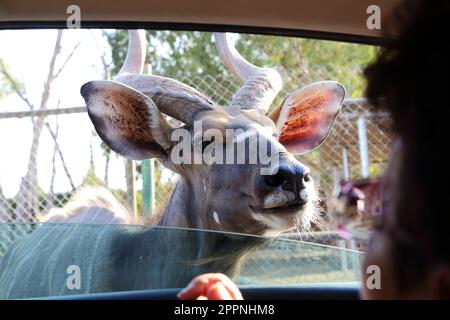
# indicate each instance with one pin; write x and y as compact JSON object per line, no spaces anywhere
{"x":26,"y":203}
{"x":55,"y":150}
{"x":51,"y":69}
{"x":106,"y":66}
{"x":14,"y":85}
{"x":58,"y":149}
{"x":67,"y":60}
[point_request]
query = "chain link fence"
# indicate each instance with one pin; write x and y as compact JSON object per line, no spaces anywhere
{"x":357,"y":147}
{"x":291,"y":263}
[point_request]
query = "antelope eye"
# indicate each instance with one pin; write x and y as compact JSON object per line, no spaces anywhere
{"x":205,"y":144}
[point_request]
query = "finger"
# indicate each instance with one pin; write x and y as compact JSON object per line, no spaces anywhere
{"x":200,"y":284}
{"x":218,"y":291}
{"x":231,"y":287}
{"x":195,"y":288}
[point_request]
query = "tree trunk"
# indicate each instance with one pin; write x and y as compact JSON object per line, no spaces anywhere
{"x":27,"y":204}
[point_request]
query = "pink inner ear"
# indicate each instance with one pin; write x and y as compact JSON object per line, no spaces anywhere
{"x":308,"y":114}
{"x":305,"y":119}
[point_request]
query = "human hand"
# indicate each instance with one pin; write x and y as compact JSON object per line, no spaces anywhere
{"x":211,"y":286}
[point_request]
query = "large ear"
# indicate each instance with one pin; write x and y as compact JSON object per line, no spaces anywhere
{"x":126,"y":120}
{"x":305,"y":117}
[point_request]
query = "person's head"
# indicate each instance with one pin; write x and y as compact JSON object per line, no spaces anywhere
{"x":410,"y":80}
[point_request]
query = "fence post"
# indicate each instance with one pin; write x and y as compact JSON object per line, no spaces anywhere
{"x":148,"y":188}
{"x":130,"y":172}
{"x":363,"y":147}
{"x":345,"y":164}
{"x":336,"y":185}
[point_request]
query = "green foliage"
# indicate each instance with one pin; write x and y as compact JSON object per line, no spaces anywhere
{"x":172,"y":53}
{"x":7,"y":83}
{"x":376,"y":169}
{"x":91,"y":179}
{"x":301,"y":61}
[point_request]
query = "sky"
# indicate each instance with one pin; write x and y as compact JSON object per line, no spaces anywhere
{"x":27,"y":54}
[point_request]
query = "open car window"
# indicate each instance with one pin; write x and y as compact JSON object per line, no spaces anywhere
{"x":73,"y":269}
{"x":64,"y":145}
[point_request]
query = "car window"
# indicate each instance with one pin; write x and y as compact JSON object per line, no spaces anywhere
{"x":60,"y":152}
{"x":142,"y":257}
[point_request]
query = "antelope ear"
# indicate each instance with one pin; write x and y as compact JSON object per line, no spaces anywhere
{"x":306,"y":116}
{"x":126,"y":120}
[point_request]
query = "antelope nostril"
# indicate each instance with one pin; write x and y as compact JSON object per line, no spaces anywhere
{"x":289,"y":178}
{"x":275,"y":180}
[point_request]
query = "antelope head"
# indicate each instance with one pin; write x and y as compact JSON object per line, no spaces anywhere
{"x":228,"y":182}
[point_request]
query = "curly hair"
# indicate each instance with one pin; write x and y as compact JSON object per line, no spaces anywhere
{"x":410,"y":79}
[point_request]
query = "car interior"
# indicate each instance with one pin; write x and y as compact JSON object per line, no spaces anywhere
{"x":342,"y":21}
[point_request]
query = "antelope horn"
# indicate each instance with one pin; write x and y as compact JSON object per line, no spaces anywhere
{"x":137,"y":48}
{"x":261,"y":85}
{"x":171,"y":97}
